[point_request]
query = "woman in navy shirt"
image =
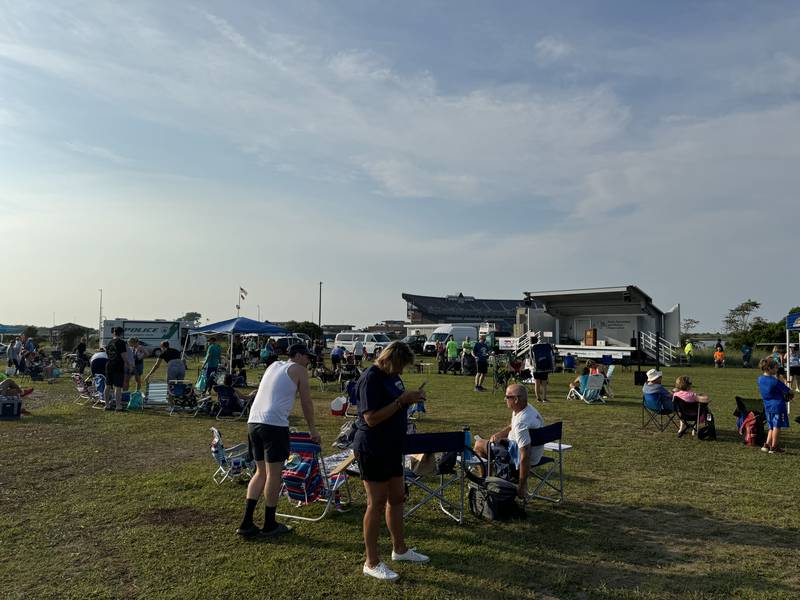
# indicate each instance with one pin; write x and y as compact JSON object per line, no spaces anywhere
{"x":775,"y":394}
{"x":381,"y":429}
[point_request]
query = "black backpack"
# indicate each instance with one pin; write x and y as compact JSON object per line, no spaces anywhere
{"x":495,"y":500}
{"x":709,"y":431}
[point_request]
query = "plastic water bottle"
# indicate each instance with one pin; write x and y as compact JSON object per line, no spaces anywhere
{"x":468,"y":444}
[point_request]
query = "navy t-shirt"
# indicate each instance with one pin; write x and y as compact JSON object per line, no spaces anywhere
{"x":481,"y":351}
{"x":376,"y":389}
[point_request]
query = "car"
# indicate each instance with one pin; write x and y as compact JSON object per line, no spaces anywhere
{"x":374,"y":343}
{"x":282,"y":343}
{"x":305,"y":337}
{"x":415,"y":342}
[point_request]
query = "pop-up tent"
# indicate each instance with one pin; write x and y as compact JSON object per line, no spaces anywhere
{"x":239,"y":325}
{"x":792,"y":326}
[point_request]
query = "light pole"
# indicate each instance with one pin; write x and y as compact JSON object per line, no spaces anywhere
{"x":319,"y":315}
{"x":100,"y":320}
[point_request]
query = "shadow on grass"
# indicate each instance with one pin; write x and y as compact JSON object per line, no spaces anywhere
{"x":626,"y":547}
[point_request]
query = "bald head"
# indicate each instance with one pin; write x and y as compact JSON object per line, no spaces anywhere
{"x":517,"y":395}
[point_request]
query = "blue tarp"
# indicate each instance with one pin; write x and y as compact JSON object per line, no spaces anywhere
{"x":241,"y":325}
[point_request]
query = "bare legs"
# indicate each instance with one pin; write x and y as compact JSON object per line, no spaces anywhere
{"x":384,"y":499}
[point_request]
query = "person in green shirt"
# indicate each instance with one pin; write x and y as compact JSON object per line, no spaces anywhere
{"x":451,"y":348}
{"x":211,"y":362}
{"x":466,"y":346}
{"x":688,"y":350}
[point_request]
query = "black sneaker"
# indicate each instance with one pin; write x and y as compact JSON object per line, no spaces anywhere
{"x":248,"y":532}
{"x":279,"y":530}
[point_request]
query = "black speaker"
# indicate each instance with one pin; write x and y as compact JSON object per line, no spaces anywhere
{"x":639,"y":377}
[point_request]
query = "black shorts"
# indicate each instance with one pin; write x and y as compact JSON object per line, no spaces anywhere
{"x":268,"y":442}
{"x":238,"y":363}
{"x":115,"y":377}
{"x":380,"y":467}
{"x":482,"y":366}
{"x":540,"y":375}
{"x":794,"y":371}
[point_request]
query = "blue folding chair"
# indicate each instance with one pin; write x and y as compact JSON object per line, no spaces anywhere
{"x":656,"y":412}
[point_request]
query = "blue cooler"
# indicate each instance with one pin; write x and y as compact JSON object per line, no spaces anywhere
{"x":10,"y":407}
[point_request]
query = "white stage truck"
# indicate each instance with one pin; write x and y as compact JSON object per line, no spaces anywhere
{"x":150,"y":333}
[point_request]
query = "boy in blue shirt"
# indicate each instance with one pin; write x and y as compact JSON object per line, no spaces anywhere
{"x":775,"y":394}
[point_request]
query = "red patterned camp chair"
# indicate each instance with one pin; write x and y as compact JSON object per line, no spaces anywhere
{"x":308,"y":478}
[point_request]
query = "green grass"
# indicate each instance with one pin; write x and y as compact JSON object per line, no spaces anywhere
{"x":98,"y":505}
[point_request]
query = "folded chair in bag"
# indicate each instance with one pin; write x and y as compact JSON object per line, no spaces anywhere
{"x":232,"y":463}
{"x":450,"y":473}
{"x":656,"y":413}
{"x":750,"y":420}
{"x":306,"y":479}
{"x":590,"y":393}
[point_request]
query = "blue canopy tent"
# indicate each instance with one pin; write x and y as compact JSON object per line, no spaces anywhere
{"x":8,"y":330}
{"x":792,"y":326}
{"x":239,"y":325}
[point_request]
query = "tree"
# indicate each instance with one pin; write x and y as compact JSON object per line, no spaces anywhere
{"x":312,"y":330}
{"x":737,"y":321}
{"x":190,"y":319}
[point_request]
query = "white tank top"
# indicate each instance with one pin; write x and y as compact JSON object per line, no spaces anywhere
{"x":275,"y":396}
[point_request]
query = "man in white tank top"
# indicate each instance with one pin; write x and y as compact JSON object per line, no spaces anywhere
{"x":268,"y":435}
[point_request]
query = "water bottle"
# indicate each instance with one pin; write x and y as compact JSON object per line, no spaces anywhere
{"x":468,"y":444}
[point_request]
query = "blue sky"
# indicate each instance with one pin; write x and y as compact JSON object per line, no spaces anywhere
{"x":169,"y":152}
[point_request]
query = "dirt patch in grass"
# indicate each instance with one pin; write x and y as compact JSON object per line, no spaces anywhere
{"x":183,"y":516}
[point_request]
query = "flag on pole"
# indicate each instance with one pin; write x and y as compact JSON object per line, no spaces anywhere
{"x":242,"y":293}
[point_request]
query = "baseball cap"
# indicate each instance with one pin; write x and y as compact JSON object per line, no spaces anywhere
{"x":298,"y":349}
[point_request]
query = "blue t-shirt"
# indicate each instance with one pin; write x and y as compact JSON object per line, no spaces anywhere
{"x":481,"y":351}
{"x":656,"y":389}
{"x":376,"y":389}
{"x":773,"y":392}
{"x":337,"y":352}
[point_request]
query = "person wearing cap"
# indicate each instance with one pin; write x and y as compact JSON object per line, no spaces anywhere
{"x":268,"y":435}
{"x":653,"y":386}
{"x":381,"y":429}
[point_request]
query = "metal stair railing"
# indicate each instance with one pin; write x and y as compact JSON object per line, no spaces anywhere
{"x":658,"y":348}
{"x":525,"y":341}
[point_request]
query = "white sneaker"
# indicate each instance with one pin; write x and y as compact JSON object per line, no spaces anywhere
{"x":410,"y":556}
{"x":380,"y":571}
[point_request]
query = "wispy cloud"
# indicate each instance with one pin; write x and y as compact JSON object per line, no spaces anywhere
{"x":551,"y":49}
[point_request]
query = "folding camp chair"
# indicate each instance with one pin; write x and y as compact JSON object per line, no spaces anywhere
{"x":541,"y":484}
{"x":609,"y":375}
{"x":227,"y":406}
{"x":156,"y":396}
{"x":325,"y":377}
{"x":590,"y":393}
{"x":448,"y":441}
{"x":656,"y":413}
{"x":569,"y":363}
{"x":181,"y":397}
{"x":691,"y":413}
{"x":306,"y":479}
{"x":97,"y":393}
{"x":232,"y":463}
{"x":85,"y":388}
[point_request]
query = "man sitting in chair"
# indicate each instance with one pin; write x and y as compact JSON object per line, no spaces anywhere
{"x":516,"y":437}
{"x":654,"y":387}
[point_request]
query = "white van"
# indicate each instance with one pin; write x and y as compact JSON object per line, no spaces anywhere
{"x":440,"y":334}
{"x":373,"y":342}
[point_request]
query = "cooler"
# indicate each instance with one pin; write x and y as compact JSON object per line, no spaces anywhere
{"x":10,"y":407}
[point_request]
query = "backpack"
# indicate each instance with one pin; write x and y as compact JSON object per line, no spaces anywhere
{"x":709,"y":431}
{"x":495,"y":500}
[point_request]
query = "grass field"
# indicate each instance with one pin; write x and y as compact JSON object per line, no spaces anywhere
{"x":98,"y":505}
